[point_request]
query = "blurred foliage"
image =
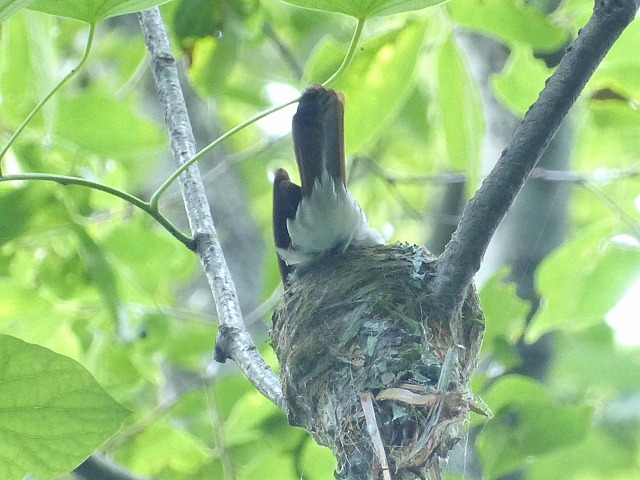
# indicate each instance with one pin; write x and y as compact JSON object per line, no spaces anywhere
{"x":86,"y":276}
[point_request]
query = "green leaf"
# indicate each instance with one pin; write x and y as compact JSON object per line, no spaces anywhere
{"x":203,"y":18}
{"x":212,"y":35}
{"x":522,"y":79}
{"x":504,"y":312}
{"x":213,"y":59}
{"x":377,"y":82}
{"x":281,"y":467}
{"x":316,"y":461}
{"x":53,"y":414}
{"x":100,"y":271}
{"x":16,"y":206}
{"x":593,"y":365}
{"x":187,"y":343}
{"x":248,"y":415}
{"x":620,"y":68}
{"x":510,"y":21}
{"x":10,"y":7}
{"x":163,"y":446}
{"x":363,"y":9}
{"x":461,"y":112}
{"x":106,"y":126}
{"x":581,"y":281}
{"x":122,"y":367}
{"x":600,"y":456}
{"x":26,"y":314}
{"x":609,"y":134}
{"x":154,"y":276}
{"x":92,"y":11}
{"x":527,"y":422}
{"x":27,"y":68}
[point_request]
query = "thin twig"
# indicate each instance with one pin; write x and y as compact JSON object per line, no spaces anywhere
{"x":610,"y":203}
{"x":218,"y":427}
{"x":437,"y":178}
{"x":233,"y":340}
{"x":155,"y":198}
{"x":286,"y":53}
{"x":265,"y":307}
{"x":600,"y":176}
{"x":462,"y":256}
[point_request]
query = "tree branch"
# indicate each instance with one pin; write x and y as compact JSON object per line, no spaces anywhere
{"x":462,"y":256}
{"x":233,"y":339}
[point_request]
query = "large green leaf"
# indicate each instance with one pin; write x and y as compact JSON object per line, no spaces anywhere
{"x":106,"y":126}
{"x":152,"y":277}
{"x":53,"y":414}
{"x":601,"y":456}
{"x":185,"y":342}
{"x":505,"y":316}
{"x":511,"y":21}
{"x":363,"y":9}
{"x":620,"y":69}
{"x":26,"y":314}
{"x":246,"y":419}
{"x":161,"y":446}
{"x":316,"y":461}
{"x":213,"y":59}
{"x":582,"y":281}
{"x":28,"y":70}
{"x":609,"y":136}
{"x":92,"y":11}
{"x":527,"y":422}
{"x":9,"y":7}
{"x":521,"y":81}
{"x":461,"y":112}
{"x":593,"y":364}
{"x":376,"y":84}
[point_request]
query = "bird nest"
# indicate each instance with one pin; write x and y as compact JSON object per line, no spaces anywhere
{"x":370,"y":367}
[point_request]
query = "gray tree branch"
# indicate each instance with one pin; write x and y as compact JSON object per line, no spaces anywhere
{"x":233,"y":339}
{"x":463,"y":255}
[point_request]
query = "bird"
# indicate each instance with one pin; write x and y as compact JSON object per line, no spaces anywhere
{"x":359,"y":315}
{"x":320,"y":216}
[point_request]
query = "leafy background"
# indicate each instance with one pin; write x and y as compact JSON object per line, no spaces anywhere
{"x":87,"y":277}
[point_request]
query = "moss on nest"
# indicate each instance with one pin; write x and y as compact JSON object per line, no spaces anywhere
{"x":366,"y":320}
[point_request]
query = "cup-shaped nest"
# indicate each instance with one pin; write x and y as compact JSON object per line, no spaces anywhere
{"x":368,"y":364}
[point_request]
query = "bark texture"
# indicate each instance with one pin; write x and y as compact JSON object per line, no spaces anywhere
{"x":366,"y":322}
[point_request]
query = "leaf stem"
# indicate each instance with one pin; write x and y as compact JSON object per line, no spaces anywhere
{"x":162,"y":188}
{"x":38,"y":107}
{"x":349,"y":56}
{"x":132,"y":199}
{"x":155,"y":198}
